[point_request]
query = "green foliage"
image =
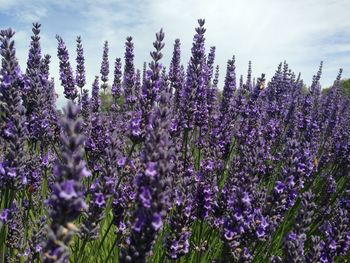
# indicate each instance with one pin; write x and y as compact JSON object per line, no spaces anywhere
{"x":345,"y":87}
{"x":106,"y":101}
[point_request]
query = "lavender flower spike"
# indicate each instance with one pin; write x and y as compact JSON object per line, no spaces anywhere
{"x":66,"y":73}
{"x":104,"y":67}
{"x":80,"y":72}
{"x":95,"y":96}
{"x":12,"y":126}
{"x":174,"y":74}
{"x":67,"y":199}
{"x":129,"y":73}
{"x":152,"y":185}
{"x":152,"y":85}
{"x":229,"y":88}
{"x":117,"y":83}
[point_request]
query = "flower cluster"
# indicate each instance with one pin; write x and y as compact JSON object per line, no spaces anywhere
{"x":165,"y":164}
{"x":67,"y":199}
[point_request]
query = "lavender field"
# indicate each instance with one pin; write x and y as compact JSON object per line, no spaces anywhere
{"x":163,"y":164}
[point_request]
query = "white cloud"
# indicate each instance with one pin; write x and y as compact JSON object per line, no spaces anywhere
{"x":7,"y":4}
{"x":33,"y":14}
{"x":25,"y":11}
{"x":265,"y":32}
{"x":303,"y":32}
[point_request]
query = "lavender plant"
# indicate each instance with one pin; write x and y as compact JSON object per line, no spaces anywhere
{"x":67,"y":199}
{"x":66,"y":73}
{"x":178,"y":167}
{"x":104,"y":66}
{"x":80,"y":72}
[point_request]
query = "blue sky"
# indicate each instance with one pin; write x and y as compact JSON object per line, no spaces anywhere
{"x":303,"y":32}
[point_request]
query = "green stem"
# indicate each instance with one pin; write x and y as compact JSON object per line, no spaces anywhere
{"x":105,"y":234}
{"x":185,"y":141}
{"x":56,"y":152}
{"x":112,"y":248}
{"x":4,"y":197}
{"x":81,"y":250}
{"x":26,"y":223}
{"x":3,"y":227}
{"x":199,"y":255}
{"x":3,"y":245}
{"x":43,"y":190}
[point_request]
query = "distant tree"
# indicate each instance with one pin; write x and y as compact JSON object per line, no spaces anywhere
{"x":346,"y":86}
{"x":106,"y":99}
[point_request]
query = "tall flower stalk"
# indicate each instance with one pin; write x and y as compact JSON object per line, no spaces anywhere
{"x":80,"y":71}
{"x":67,"y":198}
{"x":104,"y":67}
{"x":13,"y":128}
{"x":66,"y":73}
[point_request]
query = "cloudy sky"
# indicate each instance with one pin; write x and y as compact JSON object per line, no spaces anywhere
{"x":303,"y":32}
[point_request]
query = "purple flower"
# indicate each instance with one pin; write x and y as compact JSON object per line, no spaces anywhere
{"x":67,"y":199}
{"x":94,"y":214}
{"x":229,"y":88}
{"x":95,"y":96}
{"x":66,"y":73}
{"x":104,"y":66}
{"x":157,"y":222}
{"x":80,"y":71}
{"x":152,"y":186}
{"x":4,"y":215}
{"x":117,"y":83}
{"x":100,"y":199}
{"x":146,"y":197}
{"x":129,"y":74}
{"x":67,"y":191}
{"x":175,"y":75}
{"x":12,"y":120}
{"x":152,"y":85}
